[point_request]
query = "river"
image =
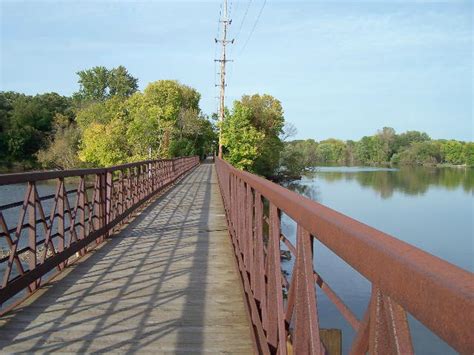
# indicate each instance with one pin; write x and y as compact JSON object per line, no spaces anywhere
{"x":431,"y":208}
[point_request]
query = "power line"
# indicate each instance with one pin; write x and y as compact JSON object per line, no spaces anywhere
{"x":253,"y":28}
{"x":243,"y":19}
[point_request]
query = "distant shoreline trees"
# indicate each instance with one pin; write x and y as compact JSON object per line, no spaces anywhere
{"x":254,"y":140}
{"x":384,"y":148}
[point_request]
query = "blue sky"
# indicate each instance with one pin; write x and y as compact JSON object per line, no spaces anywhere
{"x":340,"y":68}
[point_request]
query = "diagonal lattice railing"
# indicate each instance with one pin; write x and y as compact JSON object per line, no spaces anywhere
{"x":404,"y":278}
{"x":86,"y":206}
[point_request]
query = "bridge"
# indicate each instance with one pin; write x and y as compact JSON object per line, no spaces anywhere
{"x":180,"y":256}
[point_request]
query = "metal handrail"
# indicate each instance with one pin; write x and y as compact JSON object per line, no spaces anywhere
{"x":404,"y":278}
{"x":54,"y":240}
{"x":17,"y":178}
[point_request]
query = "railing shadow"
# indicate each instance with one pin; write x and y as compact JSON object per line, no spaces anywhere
{"x":144,"y":284}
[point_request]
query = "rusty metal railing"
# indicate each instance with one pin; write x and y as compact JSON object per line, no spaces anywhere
{"x":404,"y":278}
{"x":37,"y":246}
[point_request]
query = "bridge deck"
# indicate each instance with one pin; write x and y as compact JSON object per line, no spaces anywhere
{"x":166,"y":283}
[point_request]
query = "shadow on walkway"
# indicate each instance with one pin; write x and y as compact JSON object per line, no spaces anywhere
{"x":165,"y":283}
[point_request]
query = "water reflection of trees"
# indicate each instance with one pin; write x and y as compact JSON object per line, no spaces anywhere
{"x":409,"y":180}
{"x":310,"y":191}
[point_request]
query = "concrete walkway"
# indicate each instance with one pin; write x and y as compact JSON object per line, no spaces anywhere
{"x":166,"y":284}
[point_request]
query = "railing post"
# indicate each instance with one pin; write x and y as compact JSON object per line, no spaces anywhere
{"x":82,"y":208}
{"x":276,"y":333}
{"x":250,"y":234}
{"x":97,"y":220}
{"x":60,"y":211}
{"x":306,"y":334}
{"x":108,"y":199}
{"x":32,"y":230}
{"x":120,"y":193}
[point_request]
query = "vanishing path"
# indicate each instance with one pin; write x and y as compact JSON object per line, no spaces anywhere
{"x":166,"y":283}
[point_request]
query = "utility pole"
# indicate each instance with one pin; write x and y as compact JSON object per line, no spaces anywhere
{"x":223,"y":60}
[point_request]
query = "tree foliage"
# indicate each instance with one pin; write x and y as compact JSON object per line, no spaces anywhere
{"x":162,"y":122}
{"x":62,"y":149}
{"x":105,"y":144}
{"x":292,"y":161}
{"x":301,"y":149}
{"x":252,"y":134}
{"x":419,"y":153}
{"x":240,"y":138}
{"x":25,"y":123}
{"x":387,"y":147}
{"x":453,"y":152}
{"x":106,"y":122}
{"x":469,"y":153}
{"x":100,"y":83}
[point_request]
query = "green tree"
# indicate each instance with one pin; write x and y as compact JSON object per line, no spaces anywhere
{"x":5,"y":108}
{"x":100,"y":83}
{"x":27,"y":121}
{"x":121,"y":83}
{"x":292,"y":161}
{"x":388,"y":139}
{"x":308,"y":149}
{"x":331,"y":151}
{"x":264,"y":114}
{"x":240,"y":138}
{"x":469,"y":154}
{"x":453,"y":152}
{"x":105,"y":144}
{"x":405,"y":139}
{"x":165,"y":120}
{"x":148,"y":127}
{"x":94,"y":83}
{"x":350,"y":152}
{"x":419,"y":153}
{"x":101,"y":112}
{"x":369,"y":150}
{"x":167,"y":112}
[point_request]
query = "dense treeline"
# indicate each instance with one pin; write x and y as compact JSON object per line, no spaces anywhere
{"x":108,"y":121}
{"x":386,"y":147}
{"x":25,"y":123}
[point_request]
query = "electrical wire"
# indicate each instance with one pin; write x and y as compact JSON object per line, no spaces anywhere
{"x":253,"y":28}
{"x":243,"y":19}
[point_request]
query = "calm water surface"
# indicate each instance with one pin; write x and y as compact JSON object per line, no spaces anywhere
{"x":431,"y":208}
